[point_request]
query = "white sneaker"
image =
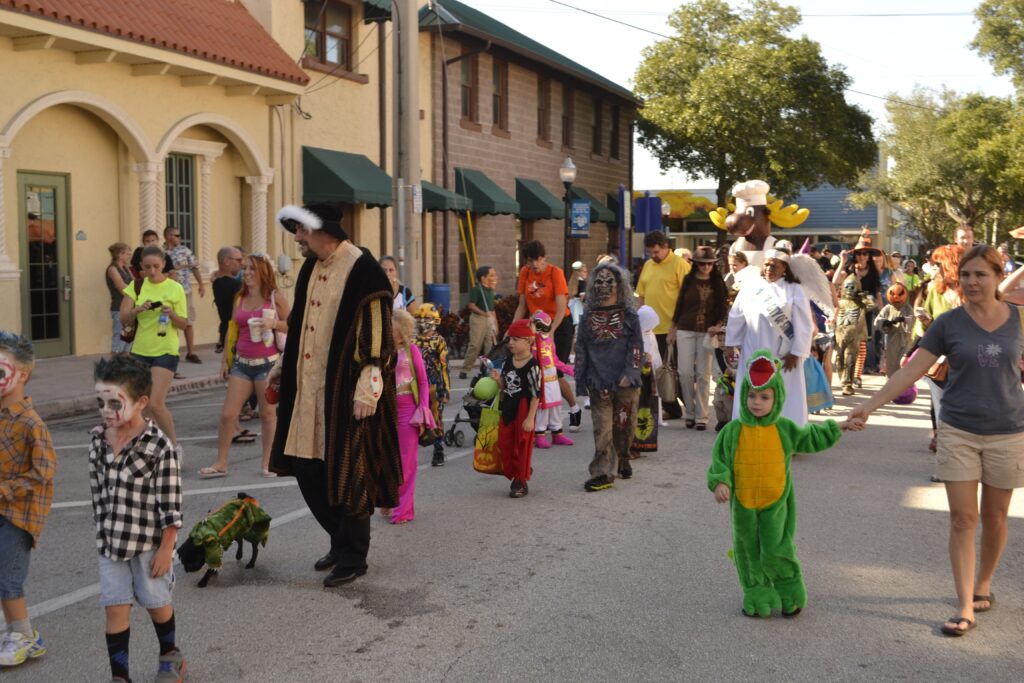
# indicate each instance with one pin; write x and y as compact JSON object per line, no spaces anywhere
{"x":16,"y":648}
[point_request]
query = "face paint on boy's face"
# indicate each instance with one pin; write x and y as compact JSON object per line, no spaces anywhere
{"x":604,"y":284}
{"x":115,"y":406}
{"x":8,"y":374}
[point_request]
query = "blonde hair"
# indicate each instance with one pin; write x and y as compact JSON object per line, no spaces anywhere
{"x":403,"y":321}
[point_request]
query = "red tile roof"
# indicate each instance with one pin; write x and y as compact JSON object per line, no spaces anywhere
{"x":220,"y":31}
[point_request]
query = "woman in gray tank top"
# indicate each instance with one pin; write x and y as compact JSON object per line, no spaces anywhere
{"x":983,"y":342}
{"x":118,"y":276}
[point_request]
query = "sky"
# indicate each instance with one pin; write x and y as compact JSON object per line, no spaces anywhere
{"x":884,"y":55}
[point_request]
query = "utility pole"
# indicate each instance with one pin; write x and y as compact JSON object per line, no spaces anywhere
{"x":408,"y":193}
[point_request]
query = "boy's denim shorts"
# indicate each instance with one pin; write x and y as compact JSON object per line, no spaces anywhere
{"x":15,"y":548}
{"x":123,"y":582}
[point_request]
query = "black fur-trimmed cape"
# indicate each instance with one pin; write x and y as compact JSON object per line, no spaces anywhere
{"x":364,"y":466}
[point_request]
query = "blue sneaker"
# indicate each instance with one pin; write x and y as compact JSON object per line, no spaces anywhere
{"x":16,"y":648}
{"x":172,"y":668}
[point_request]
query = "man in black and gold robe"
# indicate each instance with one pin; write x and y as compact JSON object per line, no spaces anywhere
{"x":337,"y":423}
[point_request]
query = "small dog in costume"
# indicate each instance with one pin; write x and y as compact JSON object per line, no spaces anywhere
{"x":239,"y":519}
{"x":750,"y":465}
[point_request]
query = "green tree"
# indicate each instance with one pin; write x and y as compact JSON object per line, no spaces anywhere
{"x":732,"y":96}
{"x":954,"y":160}
{"x":1000,"y":37}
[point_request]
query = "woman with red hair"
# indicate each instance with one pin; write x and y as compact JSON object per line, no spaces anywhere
{"x":249,"y":354}
{"x":938,"y":296}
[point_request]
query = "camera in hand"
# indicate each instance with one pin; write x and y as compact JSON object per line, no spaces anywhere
{"x":155,"y":304}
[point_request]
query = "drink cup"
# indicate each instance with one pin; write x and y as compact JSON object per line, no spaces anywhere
{"x":269,"y":316}
{"x":256,"y":329}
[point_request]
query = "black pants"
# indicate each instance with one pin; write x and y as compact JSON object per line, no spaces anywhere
{"x":350,"y":535}
{"x":673,"y":410}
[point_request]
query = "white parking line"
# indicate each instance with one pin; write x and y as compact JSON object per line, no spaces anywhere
{"x":76,"y":596}
{"x":194,"y":492}
{"x":182,"y":438}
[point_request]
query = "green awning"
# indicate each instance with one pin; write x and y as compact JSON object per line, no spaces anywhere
{"x":613,"y":206}
{"x":599,"y":213}
{"x":439,"y":199}
{"x":332,"y":176}
{"x":535,"y":202}
{"x":487,"y":197}
{"x":376,"y":10}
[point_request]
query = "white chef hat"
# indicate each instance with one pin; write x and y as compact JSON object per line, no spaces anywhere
{"x":750,"y":193}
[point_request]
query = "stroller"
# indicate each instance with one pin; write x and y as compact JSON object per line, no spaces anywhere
{"x":470,"y":403}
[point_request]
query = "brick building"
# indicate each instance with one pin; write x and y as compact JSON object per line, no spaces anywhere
{"x":508,"y":111}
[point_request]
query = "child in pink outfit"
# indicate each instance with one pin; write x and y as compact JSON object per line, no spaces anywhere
{"x":413,"y":406}
{"x":549,"y":413}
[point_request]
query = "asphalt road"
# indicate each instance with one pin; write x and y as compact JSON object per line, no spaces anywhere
{"x":631,"y":583}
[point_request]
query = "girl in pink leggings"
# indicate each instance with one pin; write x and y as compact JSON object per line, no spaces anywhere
{"x":413,"y":411}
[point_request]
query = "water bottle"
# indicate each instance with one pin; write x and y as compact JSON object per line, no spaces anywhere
{"x":162,"y":329}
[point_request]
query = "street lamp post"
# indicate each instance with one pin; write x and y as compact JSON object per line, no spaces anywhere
{"x":567,"y":174}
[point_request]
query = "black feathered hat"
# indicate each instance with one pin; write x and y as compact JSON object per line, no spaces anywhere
{"x":326,"y":217}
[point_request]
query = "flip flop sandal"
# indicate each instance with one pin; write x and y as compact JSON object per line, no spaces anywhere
{"x":790,"y":615}
{"x":990,"y":599}
{"x":956,"y":631}
{"x":211,"y":473}
{"x":244,"y":436}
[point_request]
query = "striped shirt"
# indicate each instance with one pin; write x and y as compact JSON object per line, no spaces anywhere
{"x":136,"y":493}
{"x":27,"y":465}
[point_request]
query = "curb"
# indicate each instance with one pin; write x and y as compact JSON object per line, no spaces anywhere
{"x":80,"y":405}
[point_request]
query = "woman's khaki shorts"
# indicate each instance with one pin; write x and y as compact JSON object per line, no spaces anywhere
{"x":993,"y":459}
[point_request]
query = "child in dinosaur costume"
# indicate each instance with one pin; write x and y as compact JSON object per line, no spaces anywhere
{"x":750,"y":465}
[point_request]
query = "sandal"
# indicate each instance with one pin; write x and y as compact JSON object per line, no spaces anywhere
{"x":211,"y":473}
{"x":990,"y":599}
{"x":956,"y":631}
{"x":244,"y":436}
{"x":268,"y":474}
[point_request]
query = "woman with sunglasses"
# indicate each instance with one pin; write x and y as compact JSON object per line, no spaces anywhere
{"x":249,"y":354}
{"x":700,"y":310}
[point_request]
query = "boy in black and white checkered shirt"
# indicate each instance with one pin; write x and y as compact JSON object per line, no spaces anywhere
{"x":136,"y":497}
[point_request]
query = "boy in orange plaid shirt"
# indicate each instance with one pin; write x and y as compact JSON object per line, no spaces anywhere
{"x":27,"y":465}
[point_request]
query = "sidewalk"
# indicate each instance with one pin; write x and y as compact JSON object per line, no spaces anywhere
{"x":63,"y":387}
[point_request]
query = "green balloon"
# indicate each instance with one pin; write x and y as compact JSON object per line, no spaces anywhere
{"x":485,"y":389}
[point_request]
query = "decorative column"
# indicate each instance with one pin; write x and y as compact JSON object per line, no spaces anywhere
{"x":258,"y":237}
{"x":8,"y":271}
{"x":205,"y":172}
{"x":161,"y":201}
{"x":148,"y":181}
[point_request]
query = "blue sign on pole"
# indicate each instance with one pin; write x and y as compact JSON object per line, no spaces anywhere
{"x":579,"y":226}
{"x":648,"y":214}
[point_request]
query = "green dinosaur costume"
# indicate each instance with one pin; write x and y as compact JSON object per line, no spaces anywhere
{"x":751,"y":456}
{"x":238,"y":518}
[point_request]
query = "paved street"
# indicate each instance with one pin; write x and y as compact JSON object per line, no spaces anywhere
{"x":627,"y":584}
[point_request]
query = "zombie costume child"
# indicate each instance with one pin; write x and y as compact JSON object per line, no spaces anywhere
{"x":435,"y":360}
{"x":750,"y":467}
{"x":549,"y":414}
{"x":645,"y":436}
{"x":609,"y":356}
{"x":895,"y":321}
{"x":851,"y":328}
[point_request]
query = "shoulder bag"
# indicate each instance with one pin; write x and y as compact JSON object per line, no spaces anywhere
{"x":667,"y":377}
